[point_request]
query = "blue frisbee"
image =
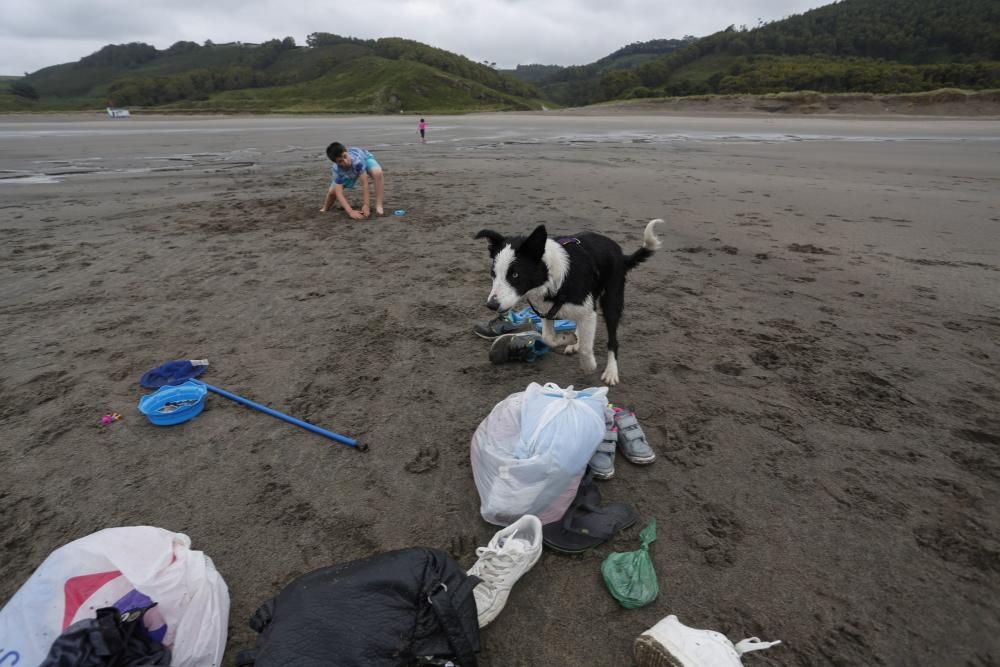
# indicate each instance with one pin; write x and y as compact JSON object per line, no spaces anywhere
{"x":399,"y":212}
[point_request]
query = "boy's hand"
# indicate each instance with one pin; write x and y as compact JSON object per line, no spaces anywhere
{"x":366,"y":211}
{"x":356,"y":215}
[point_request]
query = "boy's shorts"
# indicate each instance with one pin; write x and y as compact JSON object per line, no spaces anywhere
{"x":370,"y":163}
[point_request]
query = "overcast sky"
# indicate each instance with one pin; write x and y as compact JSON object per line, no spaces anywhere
{"x":39,"y":33}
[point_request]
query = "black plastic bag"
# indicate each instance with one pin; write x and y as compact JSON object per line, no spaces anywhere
{"x":112,"y":639}
{"x":391,"y":610}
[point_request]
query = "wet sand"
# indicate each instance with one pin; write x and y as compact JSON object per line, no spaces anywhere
{"x":814,"y":355}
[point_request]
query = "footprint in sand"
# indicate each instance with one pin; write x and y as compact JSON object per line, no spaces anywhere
{"x":426,"y":459}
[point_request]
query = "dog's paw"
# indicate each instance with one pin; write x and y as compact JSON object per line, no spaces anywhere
{"x":588,"y":363}
{"x":610,"y":374}
{"x":572,"y":349}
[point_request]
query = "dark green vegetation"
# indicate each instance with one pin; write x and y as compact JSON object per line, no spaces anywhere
{"x":330,"y":74}
{"x":861,"y":46}
{"x":582,"y":84}
{"x":15,"y":95}
{"x":875,"y":46}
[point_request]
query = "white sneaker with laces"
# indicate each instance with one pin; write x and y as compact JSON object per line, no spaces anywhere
{"x":670,"y":643}
{"x":513,"y":551}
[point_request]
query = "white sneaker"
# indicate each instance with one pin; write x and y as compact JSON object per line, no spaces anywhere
{"x":670,"y":643}
{"x":512,"y":552}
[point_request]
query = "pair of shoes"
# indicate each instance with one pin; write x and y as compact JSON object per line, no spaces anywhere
{"x":525,"y":346}
{"x":504,"y":323}
{"x":622,"y":431}
{"x":517,"y":320}
{"x":670,"y":643}
{"x":513,"y":551}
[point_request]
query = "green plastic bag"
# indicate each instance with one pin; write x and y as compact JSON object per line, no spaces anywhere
{"x":629,"y":576}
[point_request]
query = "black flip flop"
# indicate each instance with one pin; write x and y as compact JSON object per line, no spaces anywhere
{"x":586,"y":524}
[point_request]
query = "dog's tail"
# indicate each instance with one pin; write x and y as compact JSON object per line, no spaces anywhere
{"x":649,"y":245}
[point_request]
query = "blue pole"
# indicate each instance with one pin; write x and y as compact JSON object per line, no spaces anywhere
{"x":291,"y":420}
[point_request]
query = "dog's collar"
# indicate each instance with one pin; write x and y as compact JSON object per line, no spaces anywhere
{"x":567,"y":240}
{"x":557,"y":303}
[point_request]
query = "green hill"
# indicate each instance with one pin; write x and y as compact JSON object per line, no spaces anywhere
{"x":366,"y":85}
{"x":581,"y":84}
{"x":331,"y":73}
{"x":877,"y":46}
{"x":863,"y":46}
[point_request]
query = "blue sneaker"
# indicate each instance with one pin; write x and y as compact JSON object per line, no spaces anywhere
{"x":498,"y":326}
{"x":529,"y":315}
{"x":524,"y":346}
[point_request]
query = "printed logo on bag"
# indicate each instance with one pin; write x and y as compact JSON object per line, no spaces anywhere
{"x":85,"y":594}
{"x":9,"y":658}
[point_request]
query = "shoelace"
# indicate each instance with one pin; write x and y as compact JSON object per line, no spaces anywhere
{"x":494,"y":563}
{"x":753,"y":644}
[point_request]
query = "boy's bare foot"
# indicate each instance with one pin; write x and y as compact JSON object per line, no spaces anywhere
{"x":379,"y":211}
{"x":324,"y":209}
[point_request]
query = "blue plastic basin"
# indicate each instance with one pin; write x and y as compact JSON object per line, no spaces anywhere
{"x":174,"y":404}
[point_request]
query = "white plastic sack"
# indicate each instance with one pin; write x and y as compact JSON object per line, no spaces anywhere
{"x":123,"y":568}
{"x":529,"y":454}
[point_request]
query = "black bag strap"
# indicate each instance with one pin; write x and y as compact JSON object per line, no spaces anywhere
{"x":442,"y":604}
{"x":262,"y":617}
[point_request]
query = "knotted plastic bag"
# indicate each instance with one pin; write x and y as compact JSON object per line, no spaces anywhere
{"x":529,"y":454}
{"x":629,"y":576}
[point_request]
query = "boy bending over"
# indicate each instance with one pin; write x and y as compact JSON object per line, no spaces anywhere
{"x":350,"y":166}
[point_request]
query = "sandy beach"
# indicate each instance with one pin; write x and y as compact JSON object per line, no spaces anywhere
{"x":814,"y":355}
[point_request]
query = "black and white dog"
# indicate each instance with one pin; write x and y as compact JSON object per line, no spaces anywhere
{"x":566,"y":278}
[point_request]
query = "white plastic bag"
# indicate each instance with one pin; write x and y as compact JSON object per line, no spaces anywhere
{"x":529,"y":454}
{"x":125,"y":568}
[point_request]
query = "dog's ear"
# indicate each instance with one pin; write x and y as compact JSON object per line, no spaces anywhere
{"x":496,"y":240}
{"x":534,"y":246}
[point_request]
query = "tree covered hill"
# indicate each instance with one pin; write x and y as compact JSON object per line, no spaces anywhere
{"x":410,"y":75}
{"x":866,"y":46}
{"x":891,"y":46}
{"x":580,"y":84}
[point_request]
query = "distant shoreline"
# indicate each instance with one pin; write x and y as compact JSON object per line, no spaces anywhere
{"x":945,"y":103}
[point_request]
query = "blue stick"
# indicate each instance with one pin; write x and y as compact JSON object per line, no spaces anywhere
{"x":291,"y":420}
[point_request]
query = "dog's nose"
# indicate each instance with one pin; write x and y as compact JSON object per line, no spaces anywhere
{"x":493,"y":303}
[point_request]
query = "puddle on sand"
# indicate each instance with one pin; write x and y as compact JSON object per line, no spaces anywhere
{"x":59,"y":170}
{"x":28,"y":179}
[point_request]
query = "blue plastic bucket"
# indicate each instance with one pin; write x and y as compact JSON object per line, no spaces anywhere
{"x":174,"y":404}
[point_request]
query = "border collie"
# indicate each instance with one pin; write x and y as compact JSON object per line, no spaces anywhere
{"x":566,"y":277}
